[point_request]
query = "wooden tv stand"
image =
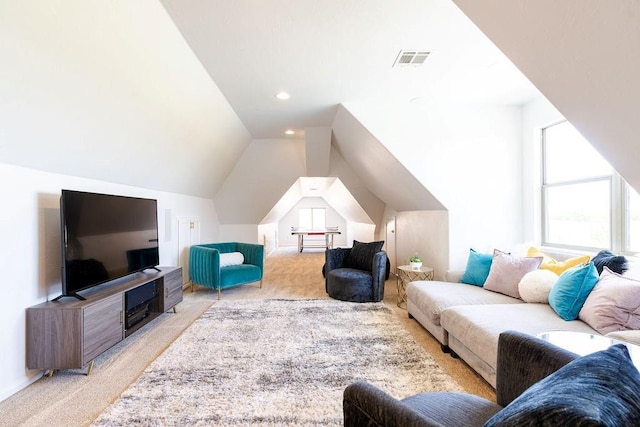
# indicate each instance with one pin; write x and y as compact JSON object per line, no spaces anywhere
{"x":69,"y":333}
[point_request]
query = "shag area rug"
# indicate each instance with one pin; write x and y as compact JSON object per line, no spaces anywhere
{"x":276,"y":362}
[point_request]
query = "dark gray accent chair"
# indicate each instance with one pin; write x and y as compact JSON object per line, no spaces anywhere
{"x":523,"y":360}
{"x":349,"y":281}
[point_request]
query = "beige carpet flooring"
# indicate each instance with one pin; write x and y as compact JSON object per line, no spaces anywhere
{"x":70,"y":398}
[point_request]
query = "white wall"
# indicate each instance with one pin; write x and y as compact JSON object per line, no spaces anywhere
{"x":247,"y":233}
{"x":468,"y":157}
{"x":268,"y":236}
{"x":426,"y":233}
{"x":30,"y":249}
{"x":387,"y":232}
{"x":360,"y":231}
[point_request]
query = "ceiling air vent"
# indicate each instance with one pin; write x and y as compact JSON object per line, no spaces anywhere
{"x":411,"y":58}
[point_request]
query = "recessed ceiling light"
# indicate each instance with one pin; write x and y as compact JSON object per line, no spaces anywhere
{"x":289,"y":132}
{"x":283,"y":96}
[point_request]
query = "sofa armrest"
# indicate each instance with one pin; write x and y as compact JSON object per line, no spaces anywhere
{"x":334,"y":258}
{"x":253,"y":254}
{"x":378,"y":273}
{"x":366,"y":405}
{"x":204,"y":265}
{"x":523,"y":360}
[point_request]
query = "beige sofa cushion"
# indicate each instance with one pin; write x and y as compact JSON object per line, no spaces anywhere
{"x":478,"y":326}
{"x":627,"y":336}
{"x":431,"y":297}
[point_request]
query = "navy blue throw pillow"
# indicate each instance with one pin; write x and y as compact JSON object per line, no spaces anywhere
{"x":615,"y":263}
{"x":600,"y":389}
{"x":361,"y":255}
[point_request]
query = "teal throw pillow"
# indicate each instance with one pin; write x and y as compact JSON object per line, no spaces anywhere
{"x":478,"y":267}
{"x":571,"y":290}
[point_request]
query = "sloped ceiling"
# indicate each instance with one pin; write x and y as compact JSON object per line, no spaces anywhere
{"x":264,"y":172}
{"x":387,"y":178}
{"x":110,"y":90}
{"x":329,"y":52}
{"x":270,"y":178}
{"x":584,"y":56}
{"x":358,"y":189}
{"x":326,"y":53}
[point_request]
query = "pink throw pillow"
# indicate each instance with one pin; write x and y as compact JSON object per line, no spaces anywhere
{"x":613,"y":305}
{"x":507,"y":271}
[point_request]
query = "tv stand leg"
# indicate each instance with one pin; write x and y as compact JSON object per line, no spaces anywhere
{"x":81,"y":298}
{"x":89,"y":368}
{"x":48,"y":373}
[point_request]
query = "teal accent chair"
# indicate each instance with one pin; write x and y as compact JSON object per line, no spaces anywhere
{"x":204,"y":265}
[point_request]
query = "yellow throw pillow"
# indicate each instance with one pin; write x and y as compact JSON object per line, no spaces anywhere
{"x":558,"y":267}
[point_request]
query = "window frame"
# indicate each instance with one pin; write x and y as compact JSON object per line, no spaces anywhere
{"x":619,"y":213}
{"x":311,"y":212}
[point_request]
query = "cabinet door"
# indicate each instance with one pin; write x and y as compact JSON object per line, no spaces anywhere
{"x":54,"y":338}
{"x":172,"y":288}
{"x":103,"y":326}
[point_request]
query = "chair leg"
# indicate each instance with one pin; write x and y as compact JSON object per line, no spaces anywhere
{"x":260,"y":283}
{"x":218,"y":293}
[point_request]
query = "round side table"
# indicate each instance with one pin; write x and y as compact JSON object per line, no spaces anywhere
{"x":405,"y":275}
{"x":584,"y":343}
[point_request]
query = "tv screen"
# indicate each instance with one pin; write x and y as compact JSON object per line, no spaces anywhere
{"x":105,"y":237}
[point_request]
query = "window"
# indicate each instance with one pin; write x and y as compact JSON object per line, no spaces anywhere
{"x":312,"y":217}
{"x":585,"y":203}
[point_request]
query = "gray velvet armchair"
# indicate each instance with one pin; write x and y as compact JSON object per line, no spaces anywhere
{"x":538,"y":384}
{"x":356,"y":274}
{"x":523,"y":360}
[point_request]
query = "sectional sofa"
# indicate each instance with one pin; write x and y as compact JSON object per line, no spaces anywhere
{"x":467,"y":319}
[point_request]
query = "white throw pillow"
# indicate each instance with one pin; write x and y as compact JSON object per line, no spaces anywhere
{"x":232,"y":258}
{"x":535,"y":286}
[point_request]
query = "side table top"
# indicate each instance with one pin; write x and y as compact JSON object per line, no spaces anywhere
{"x":408,"y":268}
{"x":583,"y":343}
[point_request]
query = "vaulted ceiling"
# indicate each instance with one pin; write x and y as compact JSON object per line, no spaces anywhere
{"x":171,"y":94}
{"x":341,"y":51}
{"x":329,"y":52}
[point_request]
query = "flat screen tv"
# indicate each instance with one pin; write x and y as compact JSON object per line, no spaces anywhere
{"x":105,"y":237}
